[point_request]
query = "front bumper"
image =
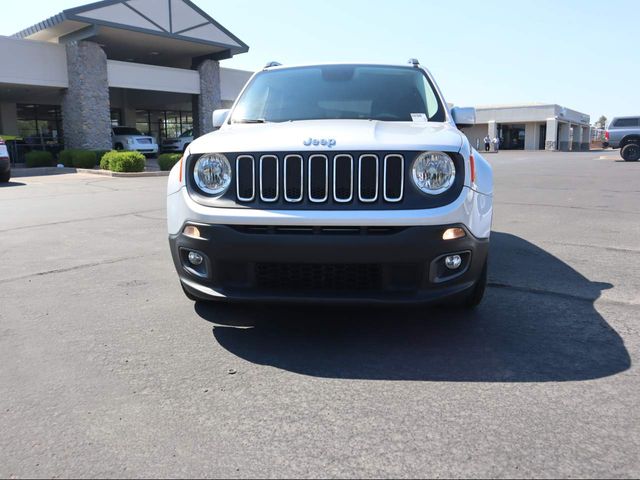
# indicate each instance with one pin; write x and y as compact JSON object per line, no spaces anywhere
{"x":150,"y":148}
{"x":172,"y":148}
{"x":352,"y":265}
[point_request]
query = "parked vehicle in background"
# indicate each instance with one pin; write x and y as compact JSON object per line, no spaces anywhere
{"x":130,"y":139}
{"x":624,"y":133}
{"x":178,"y":145}
{"x":5,"y":163}
{"x":334,"y":183}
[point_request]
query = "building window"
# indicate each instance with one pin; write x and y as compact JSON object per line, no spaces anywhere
{"x":40,"y":124}
{"x":162,"y":124}
{"x":116,"y":117}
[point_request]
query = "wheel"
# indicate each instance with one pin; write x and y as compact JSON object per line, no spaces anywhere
{"x":631,"y":152}
{"x":475,"y":297}
{"x":5,"y":177}
{"x":119,"y":146}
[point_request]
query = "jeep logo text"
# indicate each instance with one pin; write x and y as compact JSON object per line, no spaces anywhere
{"x":316,"y":142}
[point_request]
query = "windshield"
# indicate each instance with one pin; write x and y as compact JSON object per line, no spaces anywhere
{"x":188,"y":133}
{"x":393,"y":94}
{"x":126,"y":131}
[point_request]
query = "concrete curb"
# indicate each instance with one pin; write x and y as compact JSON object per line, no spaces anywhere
{"x":41,"y":171}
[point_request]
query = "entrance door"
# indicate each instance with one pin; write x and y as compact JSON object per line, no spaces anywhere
{"x":513,"y":137}
{"x":542,"y":144}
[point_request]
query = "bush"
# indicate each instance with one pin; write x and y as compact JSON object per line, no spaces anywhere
{"x":65,"y":157}
{"x":39,"y":159}
{"x":104,"y":161}
{"x":77,"y":158}
{"x":166,"y":161}
{"x":100,"y":154}
{"x":84,"y":159}
{"x":124,"y":161}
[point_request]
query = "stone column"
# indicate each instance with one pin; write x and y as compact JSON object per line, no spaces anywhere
{"x":493,"y":129}
{"x":551,"y":142}
{"x":531,"y":136}
{"x":576,"y":146}
{"x":586,"y":139}
{"x":210,"y":97}
{"x":86,"y":106}
{"x":563,"y":141}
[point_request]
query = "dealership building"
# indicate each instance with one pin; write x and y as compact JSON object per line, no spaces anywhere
{"x":150,"y":64}
{"x":155,"y":65}
{"x":531,"y":127}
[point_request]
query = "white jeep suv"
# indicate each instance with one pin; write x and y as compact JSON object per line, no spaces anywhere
{"x":341,"y":183}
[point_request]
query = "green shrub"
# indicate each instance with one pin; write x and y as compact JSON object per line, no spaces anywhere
{"x":166,"y":161}
{"x":104,"y":161}
{"x":100,"y":154}
{"x":65,"y":157}
{"x":77,"y":158}
{"x":84,"y":159}
{"x":124,"y":161}
{"x":39,"y":159}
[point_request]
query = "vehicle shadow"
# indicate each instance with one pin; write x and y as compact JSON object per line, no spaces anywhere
{"x":12,"y":184}
{"x":538,"y":324}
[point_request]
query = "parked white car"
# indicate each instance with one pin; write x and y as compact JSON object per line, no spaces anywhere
{"x":178,"y":145}
{"x":339,"y":183}
{"x":130,"y":139}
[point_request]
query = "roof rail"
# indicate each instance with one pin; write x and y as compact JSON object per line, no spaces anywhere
{"x":414,"y":61}
{"x":273,"y":64}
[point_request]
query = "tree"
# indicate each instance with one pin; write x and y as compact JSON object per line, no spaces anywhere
{"x":602,"y":122}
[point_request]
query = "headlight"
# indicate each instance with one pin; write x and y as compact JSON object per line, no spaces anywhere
{"x":433,"y":173}
{"x":213,"y":174}
{"x":130,"y":141}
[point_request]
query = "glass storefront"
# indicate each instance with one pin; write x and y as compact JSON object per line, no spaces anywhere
{"x":162,"y":124}
{"x":116,"y":117}
{"x":511,"y":137}
{"x":40,"y":124}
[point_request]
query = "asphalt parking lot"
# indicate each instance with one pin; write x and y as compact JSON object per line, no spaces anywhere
{"x":106,"y":369}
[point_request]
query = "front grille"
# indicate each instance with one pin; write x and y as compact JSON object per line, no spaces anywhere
{"x":144,"y":141}
{"x":301,"y":230}
{"x":324,"y":180}
{"x":314,"y":277}
{"x":320,"y":178}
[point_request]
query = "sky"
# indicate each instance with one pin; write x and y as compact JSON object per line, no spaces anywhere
{"x":582,"y":54}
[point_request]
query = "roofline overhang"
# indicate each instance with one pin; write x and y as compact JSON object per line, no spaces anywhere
{"x":75,"y":15}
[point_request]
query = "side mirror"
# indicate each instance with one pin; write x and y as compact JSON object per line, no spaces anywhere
{"x":464,"y":117}
{"x":220,"y":117}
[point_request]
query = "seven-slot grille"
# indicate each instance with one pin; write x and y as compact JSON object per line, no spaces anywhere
{"x":319,"y":178}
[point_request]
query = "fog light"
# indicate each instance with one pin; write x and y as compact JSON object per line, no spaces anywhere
{"x":453,"y":262}
{"x":191,"y":231}
{"x":454,"y":234}
{"x":195,"y":259}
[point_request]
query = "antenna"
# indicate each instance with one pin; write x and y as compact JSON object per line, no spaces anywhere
{"x":414,"y":61}
{"x":273,"y":64}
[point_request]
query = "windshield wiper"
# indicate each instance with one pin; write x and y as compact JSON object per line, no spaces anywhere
{"x":250,"y":120}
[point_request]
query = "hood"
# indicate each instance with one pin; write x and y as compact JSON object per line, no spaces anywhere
{"x":347,"y":135}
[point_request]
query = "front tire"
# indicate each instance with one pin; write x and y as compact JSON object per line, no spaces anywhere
{"x":474,"y":299}
{"x":631,"y":152}
{"x":5,"y":177}
{"x":119,"y":147}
